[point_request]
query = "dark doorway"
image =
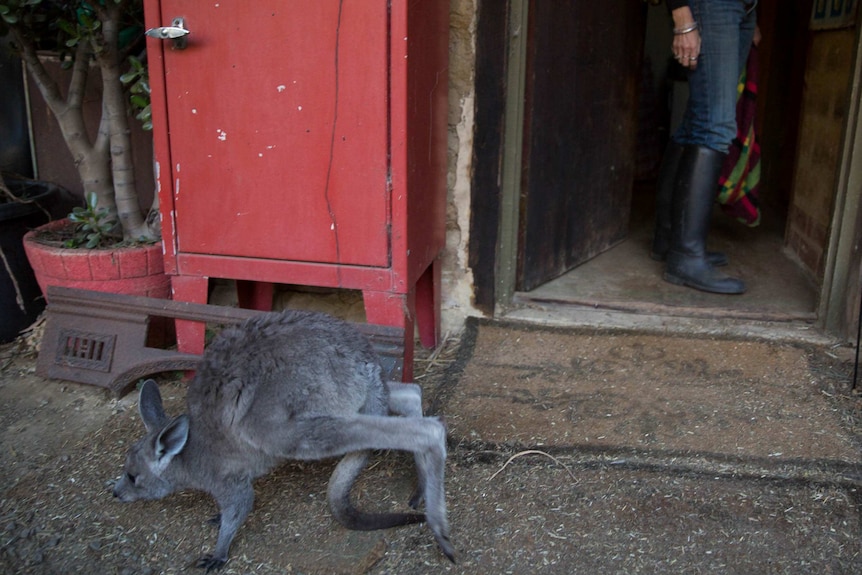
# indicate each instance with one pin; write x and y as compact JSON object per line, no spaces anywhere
{"x":584,"y":233}
{"x":587,"y":211}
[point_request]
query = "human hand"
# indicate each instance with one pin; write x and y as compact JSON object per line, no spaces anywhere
{"x":686,"y":38}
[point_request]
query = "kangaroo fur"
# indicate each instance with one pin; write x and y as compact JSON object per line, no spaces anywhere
{"x":292,"y":385}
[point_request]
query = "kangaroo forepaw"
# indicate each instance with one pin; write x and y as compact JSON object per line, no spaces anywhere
{"x":210,"y":563}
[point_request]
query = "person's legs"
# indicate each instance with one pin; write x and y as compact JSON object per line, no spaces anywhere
{"x":708,"y":128}
{"x":663,"y":198}
{"x":726,"y":31}
{"x":663,"y":207}
{"x":694,"y":195}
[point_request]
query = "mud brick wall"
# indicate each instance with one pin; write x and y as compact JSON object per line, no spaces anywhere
{"x":457,"y":276}
{"x":824,"y":108}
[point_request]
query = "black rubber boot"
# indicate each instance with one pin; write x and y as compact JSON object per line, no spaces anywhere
{"x":664,"y":197}
{"x":691,"y":211}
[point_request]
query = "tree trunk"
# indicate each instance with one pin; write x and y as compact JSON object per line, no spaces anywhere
{"x":122,"y":165}
{"x":91,"y":158}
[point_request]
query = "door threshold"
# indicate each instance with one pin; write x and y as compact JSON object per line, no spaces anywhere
{"x":655,"y":318}
{"x":663,"y":309}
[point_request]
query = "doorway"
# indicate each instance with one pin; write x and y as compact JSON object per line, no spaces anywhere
{"x":620,"y":275}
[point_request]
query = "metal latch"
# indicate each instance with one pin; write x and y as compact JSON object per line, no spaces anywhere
{"x":176,"y":32}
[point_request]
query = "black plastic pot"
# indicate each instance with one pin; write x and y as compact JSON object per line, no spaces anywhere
{"x":21,"y":299}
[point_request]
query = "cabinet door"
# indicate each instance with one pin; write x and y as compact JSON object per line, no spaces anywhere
{"x":278,"y":128}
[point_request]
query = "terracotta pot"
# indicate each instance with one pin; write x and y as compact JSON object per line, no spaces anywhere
{"x":134,"y":270}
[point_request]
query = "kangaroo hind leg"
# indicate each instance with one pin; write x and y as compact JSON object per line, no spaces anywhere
{"x":319,"y":437}
{"x":338,"y":493}
{"x":405,"y":399}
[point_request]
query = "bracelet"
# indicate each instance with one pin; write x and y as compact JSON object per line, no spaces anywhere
{"x":685,"y":29}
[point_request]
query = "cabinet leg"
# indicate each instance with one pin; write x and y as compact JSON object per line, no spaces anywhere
{"x":398,"y":310}
{"x":190,"y":334}
{"x":255,"y":295}
{"x":428,"y":305}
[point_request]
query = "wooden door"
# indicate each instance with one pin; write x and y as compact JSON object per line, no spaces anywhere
{"x":278,"y":127}
{"x":583,"y":73}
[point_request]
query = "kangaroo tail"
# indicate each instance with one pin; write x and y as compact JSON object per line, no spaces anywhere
{"x":340,"y":484}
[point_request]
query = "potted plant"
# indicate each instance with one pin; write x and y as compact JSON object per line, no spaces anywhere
{"x":101,"y":35}
{"x":81,"y":252}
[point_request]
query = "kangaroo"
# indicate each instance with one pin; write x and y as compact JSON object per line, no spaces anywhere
{"x":292,"y":385}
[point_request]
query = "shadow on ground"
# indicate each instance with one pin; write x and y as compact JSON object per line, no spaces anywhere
{"x":570,"y":452}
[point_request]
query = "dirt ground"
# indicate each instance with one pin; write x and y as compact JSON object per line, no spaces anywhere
{"x":569,"y":453}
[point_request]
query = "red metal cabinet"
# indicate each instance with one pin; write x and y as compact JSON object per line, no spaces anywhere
{"x":304,"y":143}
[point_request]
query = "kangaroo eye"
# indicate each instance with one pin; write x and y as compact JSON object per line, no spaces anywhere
{"x":131,"y":478}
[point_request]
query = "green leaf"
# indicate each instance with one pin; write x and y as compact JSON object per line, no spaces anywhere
{"x":139,"y":101}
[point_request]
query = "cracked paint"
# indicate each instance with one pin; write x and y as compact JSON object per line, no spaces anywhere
{"x":326,"y":191}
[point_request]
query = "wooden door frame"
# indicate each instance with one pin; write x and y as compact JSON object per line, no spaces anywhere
{"x":838,"y":311}
{"x":513,"y":147}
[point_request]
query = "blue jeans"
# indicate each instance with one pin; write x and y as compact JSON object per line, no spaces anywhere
{"x":726,"y":30}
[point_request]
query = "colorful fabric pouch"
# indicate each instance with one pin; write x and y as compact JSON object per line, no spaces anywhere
{"x":739,"y":183}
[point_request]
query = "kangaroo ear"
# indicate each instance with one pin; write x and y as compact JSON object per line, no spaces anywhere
{"x":172,"y":438}
{"x":150,"y":406}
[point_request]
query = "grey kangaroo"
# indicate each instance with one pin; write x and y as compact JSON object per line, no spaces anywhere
{"x":292,"y":385}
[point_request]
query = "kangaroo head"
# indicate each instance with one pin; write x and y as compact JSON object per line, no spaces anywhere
{"x":146,"y":474}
